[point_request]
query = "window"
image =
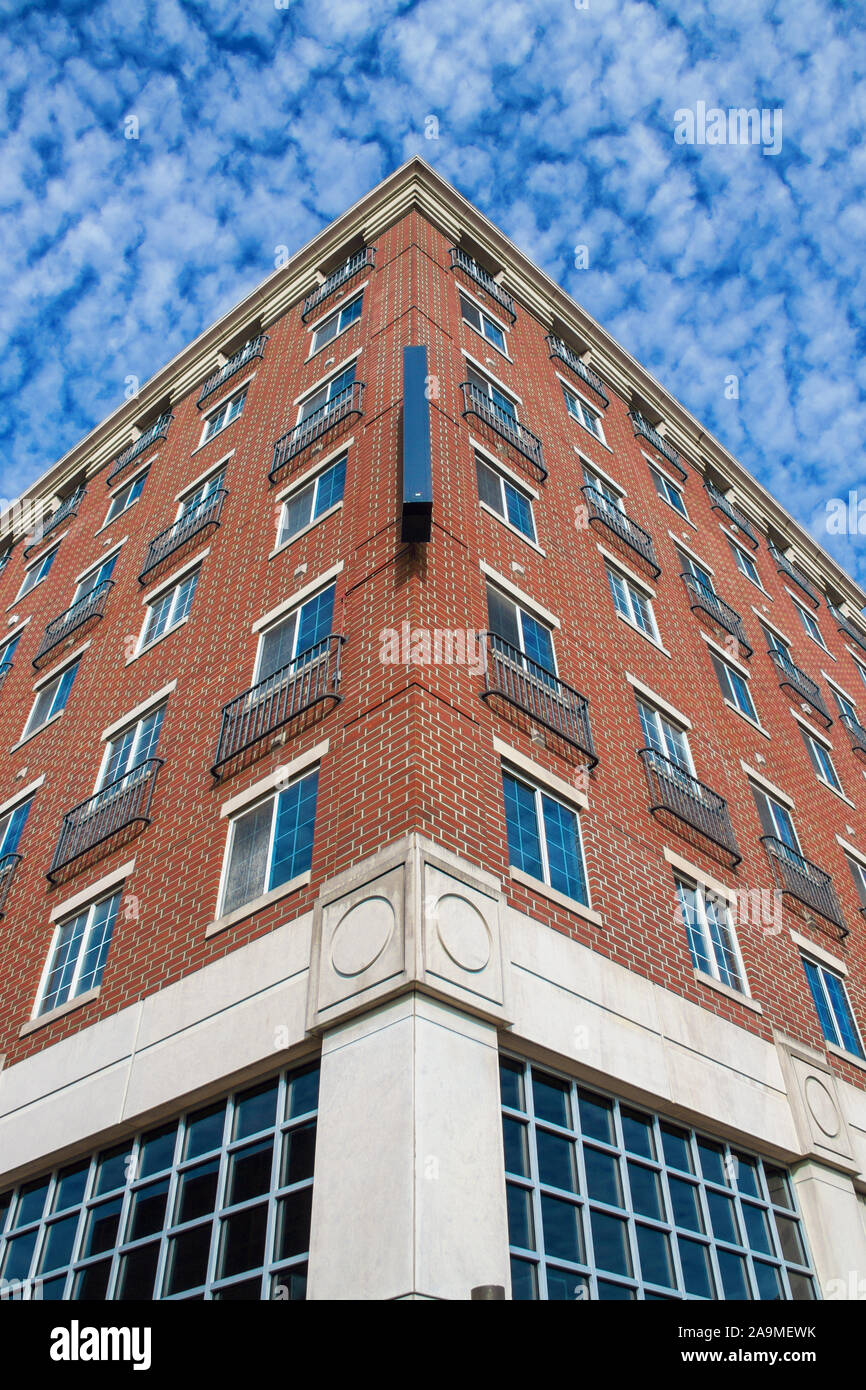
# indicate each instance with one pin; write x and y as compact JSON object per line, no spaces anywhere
{"x":212,"y":1204}
{"x":502,"y":404}
{"x":843,"y":703}
{"x":832,"y":1007}
{"x":810,"y":626}
{"x":821,"y":761}
{"x":223,"y":416}
{"x":94,"y":578}
{"x":11,"y":827}
{"x":201,"y":493}
{"x":336,"y":323}
{"x":544,"y":837}
{"x":312,"y":501}
{"x":710,"y":934}
{"x":858,"y":874}
{"x":7,"y":652}
{"x":523,"y":633}
{"x":124,"y":499}
{"x":665,"y":737}
{"x":507,"y":501}
{"x":608,"y":1201}
{"x":131,"y":748}
{"x":734,"y":687}
{"x":775,"y":643}
{"x":270,"y":844}
{"x":776,"y":820}
{"x":282,"y":646}
{"x":50,"y":700}
{"x":169,"y":610}
{"x":612,"y":495}
{"x":669,"y":493}
{"x":78,"y":953}
{"x":582,"y":413}
{"x":697,"y":571}
{"x":745,"y":564}
{"x":37,"y":573}
{"x":472,"y":315}
{"x":330,"y":396}
{"x":631,"y":604}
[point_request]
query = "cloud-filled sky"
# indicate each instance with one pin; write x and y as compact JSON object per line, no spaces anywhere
{"x":257,"y":125}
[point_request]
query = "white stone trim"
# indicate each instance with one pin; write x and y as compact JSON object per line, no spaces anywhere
{"x":685,"y":866}
{"x":560,"y":788}
{"x":808,"y":948}
{"x":132,"y":716}
{"x":858,"y":854}
{"x":320,"y":582}
{"x":61,"y":665}
{"x":726,"y":656}
{"x":100,"y":560}
{"x":279,"y":775}
{"x":681,"y":545}
{"x":485,"y":371}
{"x":203,"y":477}
{"x":92,"y":892}
{"x":313,"y":472}
{"x":622,"y":568}
{"x":159,"y":590}
{"x":519,"y":595}
{"x":658,"y":700}
{"x":23,"y":794}
{"x":817,"y":734}
{"x":257,"y":904}
{"x":336,"y":370}
{"x":490,"y":458}
{"x":767,"y":786}
{"x":537,"y":885}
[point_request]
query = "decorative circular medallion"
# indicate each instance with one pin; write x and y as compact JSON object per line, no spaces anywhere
{"x":463,"y":933}
{"x":361,"y":936}
{"x":822,"y":1106}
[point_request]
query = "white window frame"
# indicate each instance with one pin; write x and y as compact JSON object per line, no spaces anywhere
{"x":336,"y":313}
{"x":808,"y":623}
{"x":823,"y":968}
{"x":55,"y":678}
{"x":631,"y":589}
{"x":126,"y":487}
{"x":745,"y":563}
{"x":272,"y":794}
{"x":504,"y":480}
{"x":312,"y":480}
{"x":84,"y":946}
{"x":661,"y":716}
{"x":174,"y":589}
{"x":26,"y":588}
{"x":728,"y":695}
{"x":584,"y":408}
{"x":816,"y":744}
{"x":487,"y":317}
{"x":722,"y":903}
{"x":324,"y":385}
{"x":669,"y":487}
{"x":224,"y":407}
{"x":538,"y":789}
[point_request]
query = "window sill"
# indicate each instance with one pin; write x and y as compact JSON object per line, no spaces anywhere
{"x":846,"y":1056}
{"x":704,"y":979}
{"x":61,"y":1011}
{"x":645,"y":635}
{"x":483,"y":506}
{"x":754,"y":723}
{"x":257,"y":904}
{"x":311,"y":525}
{"x":27,"y":737}
{"x":836,"y":792}
{"x":544,"y":889}
{"x":155,"y":643}
{"x":336,"y":338}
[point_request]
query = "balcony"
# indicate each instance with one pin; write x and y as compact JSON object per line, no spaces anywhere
{"x":313,"y":677}
{"x":461,"y":260}
{"x":720,"y":503}
{"x":335,"y":281}
{"x":557,"y":348}
{"x":784,"y":566}
{"x":507,"y":426}
{"x":801,"y":685}
{"x":537,"y":693}
{"x":856,"y":733}
{"x":66,"y":509}
{"x":205,"y":513}
{"x":120,"y":806}
{"x":675,"y":792}
{"x":249,"y":352}
{"x":700,"y":597}
{"x":341,"y":407}
{"x":610,"y":515}
{"x":845,"y":626}
{"x":642,"y":426}
{"x":158,"y":430}
{"x":807,"y":883}
{"x":8,"y":864}
{"x":89,"y":606}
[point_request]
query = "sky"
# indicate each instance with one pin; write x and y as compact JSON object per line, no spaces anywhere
{"x":733,"y":273}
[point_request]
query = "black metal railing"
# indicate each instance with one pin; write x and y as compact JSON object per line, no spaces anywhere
{"x":461,"y":260}
{"x":248,"y":353}
{"x":784,"y":566}
{"x":8,"y":864}
{"x":610,"y":515}
{"x":557,"y":348}
{"x":66,"y":509}
{"x":202,"y":514}
{"x":844,"y":625}
{"x":676,"y":791}
{"x":346,"y":402}
{"x":856,"y":733}
{"x":477,"y":402}
{"x":804,"y":881}
{"x":535,"y":691}
{"x":90,"y":605}
{"x":721,"y":503}
{"x":120,"y":804}
{"x":339,"y":277}
{"x":722,"y":613}
{"x":642,"y":426}
{"x":802,"y":685}
{"x":158,"y":430}
{"x":312,"y":677}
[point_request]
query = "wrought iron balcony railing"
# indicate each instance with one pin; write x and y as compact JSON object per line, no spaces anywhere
{"x":557,"y":348}
{"x":722,"y":613}
{"x":856,"y":733}
{"x":116,"y":807}
{"x":721,"y":503}
{"x":89,"y":606}
{"x":795,"y":680}
{"x":536,"y":692}
{"x":8,"y":864}
{"x":197,"y":518}
{"x":347,"y":271}
{"x":314,"y":676}
{"x":67,"y":508}
{"x":784,"y":566}
{"x":461,"y":260}
{"x":807,"y":883}
{"x":846,"y":626}
{"x":673,"y":789}
{"x":347,"y":402}
{"x":610,"y":515}
{"x":502,"y":422}
{"x":643,"y":426}
{"x":248,"y":353}
{"x":158,"y":430}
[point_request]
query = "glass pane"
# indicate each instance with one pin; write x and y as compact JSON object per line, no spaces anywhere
{"x":255,"y":1110}
{"x":551,"y":1099}
{"x":757,"y":1229}
{"x":137,"y":1273}
{"x":723,"y":1217}
{"x":187,"y":1258}
{"x":645,"y":1187}
{"x":802,"y":1288}
{"x":197,"y":1189}
{"x":243,"y":1240}
{"x":293,"y":1223}
{"x":303,"y":1093}
{"x":290,"y":1285}
{"x":686,"y":1204}
{"x":59,"y":1241}
{"x":514,"y":1135}
{"x":637,"y":1131}
{"x":293,"y":836}
{"x":92,"y":1283}
{"x":608,"y":1292}
{"x":561,"y":1224}
{"x":31,"y":1203}
{"x":102,"y":1225}
{"x":248,"y":861}
{"x":697,"y":1273}
{"x":521,"y":1227}
{"x":602,"y":1177}
{"x":675,"y":1143}
{"x":596,"y":1117}
{"x":204,"y":1131}
{"x":712,"y":1162}
{"x":563,"y":849}
{"x":610,"y":1242}
{"x":19,"y":1253}
{"x":563,"y":1284}
{"x":246,"y":1290}
{"x":769,"y":1281}
{"x":112,"y":1170}
{"x":746,"y":1174}
{"x":524,"y":1279}
{"x":53,"y":1288}
{"x":70,"y":1187}
{"x":734,"y":1278}
{"x":789,"y":1239}
{"x":778,"y":1187}
{"x":654,"y":1251}
{"x":148,"y":1210}
{"x":156,"y":1151}
{"x":299,"y":1151}
{"x":521,"y":822}
{"x":250,"y":1172}
{"x":556,"y":1161}
{"x":511,"y":1085}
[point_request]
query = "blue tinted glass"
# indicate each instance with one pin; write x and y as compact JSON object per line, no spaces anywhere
{"x":14,"y":827}
{"x":537,"y":642}
{"x":63,"y":689}
{"x":293,"y":841}
{"x":825,"y":1018}
{"x":519,"y":511}
{"x":842,"y":1013}
{"x":315,"y":619}
{"x":524,"y":843}
{"x":331,"y":486}
{"x":352,"y":312}
{"x":563,"y":850}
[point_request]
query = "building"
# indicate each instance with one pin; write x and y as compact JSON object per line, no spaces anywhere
{"x":408,"y":750}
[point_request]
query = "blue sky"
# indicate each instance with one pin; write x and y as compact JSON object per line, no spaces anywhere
{"x":258,"y":125}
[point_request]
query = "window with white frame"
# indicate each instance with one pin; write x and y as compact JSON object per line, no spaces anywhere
{"x":500,"y":403}
{"x":308,"y":503}
{"x":734,"y":687}
{"x":130,"y":749}
{"x":78,"y":953}
{"x":698,"y":571}
{"x":844,"y":703}
{"x":810,"y":626}
{"x":669,"y":493}
{"x":330,"y":396}
{"x":7,"y":652}
{"x":858,"y":874}
{"x":124,"y":498}
{"x":544,"y":836}
{"x":169,"y":610}
{"x":36,"y":573}
{"x":50,"y":699}
{"x":336,"y":323}
{"x":296,"y":639}
{"x":94,"y":577}
{"x":832,"y":1006}
{"x":632,"y":603}
{"x":776,"y":643}
{"x":12,"y":827}
{"x":710,"y":933}
{"x":223,"y":416}
{"x":611,"y":494}
{"x":663,"y":736}
{"x":477,"y":319}
{"x":745,"y":564}
{"x":583,"y":413}
{"x":270,"y":844}
{"x":525,"y":635}
{"x":509,"y":502}
{"x":821,"y":760}
{"x":776,"y":820}
{"x":201,"y":493}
